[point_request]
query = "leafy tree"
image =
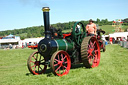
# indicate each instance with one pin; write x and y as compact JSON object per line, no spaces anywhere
{"x":22,"y":37}
{"x":98,"y":21}
{"x":126,"y":20}
{"x":29,"y":35}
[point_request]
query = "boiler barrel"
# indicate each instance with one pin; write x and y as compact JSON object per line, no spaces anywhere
{"x":47,"y":47}
{"x":62,"y":44}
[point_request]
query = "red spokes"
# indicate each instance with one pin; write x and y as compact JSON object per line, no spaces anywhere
{"x":34,"y":57}
{"x":55,"y":64}
{"x":91,"y":44}
{"x":35,"y":64}
{"x":61,"y":63}
{"x":58,"y":58}
{"x":32,"y":61}
{"x":58,"y":69}
{"x":93,"y":52}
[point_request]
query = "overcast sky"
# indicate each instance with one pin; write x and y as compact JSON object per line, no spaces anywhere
{"x":16,"y":14}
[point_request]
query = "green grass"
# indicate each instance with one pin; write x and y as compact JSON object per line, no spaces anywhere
{"x":113,"y":70}
{"x":125,"y":27}
{"x":107,"y":28}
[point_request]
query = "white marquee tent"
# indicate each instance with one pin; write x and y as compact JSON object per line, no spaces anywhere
{"x":119,"y":34}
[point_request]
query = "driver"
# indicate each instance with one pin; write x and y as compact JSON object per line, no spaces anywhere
{"x":53,"y":31}
{"x":78,"y":27}
{"x":91,"y":28}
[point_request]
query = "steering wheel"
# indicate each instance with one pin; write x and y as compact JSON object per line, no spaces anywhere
{"x":78,"y":33}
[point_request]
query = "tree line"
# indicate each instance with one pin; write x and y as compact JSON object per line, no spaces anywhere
{"x":38,"y":31}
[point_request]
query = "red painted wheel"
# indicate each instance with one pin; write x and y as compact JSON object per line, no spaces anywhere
{"x":60,"y":63}
{"x":90,"y":52}
{"x":93,"y":52}
{"x":36,"y":63}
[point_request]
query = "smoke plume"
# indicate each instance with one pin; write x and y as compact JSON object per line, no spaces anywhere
{"x":35,"y":3}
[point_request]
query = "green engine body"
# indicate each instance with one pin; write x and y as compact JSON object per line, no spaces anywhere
{"x":47,"y":47}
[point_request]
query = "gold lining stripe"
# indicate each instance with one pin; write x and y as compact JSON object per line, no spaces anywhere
{"x":66,"y":44}
{"x":57,"y":45}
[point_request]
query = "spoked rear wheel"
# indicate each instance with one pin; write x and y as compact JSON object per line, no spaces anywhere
{"x":60,"y":63}
{"x":90,"y":52}
{"x":36,"y":63}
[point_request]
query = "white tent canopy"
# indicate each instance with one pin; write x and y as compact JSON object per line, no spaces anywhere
{"x":119,"y":34}
{"x":8,"y":40}
{"x":30,"y":40}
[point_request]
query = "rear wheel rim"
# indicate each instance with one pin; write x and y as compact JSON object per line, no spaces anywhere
{"x":93,"y":53}
{"x":60,"y":63}
{"x":36,"y":64}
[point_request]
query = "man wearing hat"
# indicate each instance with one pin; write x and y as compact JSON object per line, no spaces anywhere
{"x":91,"y":28}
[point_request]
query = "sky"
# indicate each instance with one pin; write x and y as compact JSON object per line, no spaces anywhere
{"x":17,"y":14}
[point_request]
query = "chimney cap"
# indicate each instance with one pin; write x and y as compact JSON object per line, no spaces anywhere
{"x":45,"y":9}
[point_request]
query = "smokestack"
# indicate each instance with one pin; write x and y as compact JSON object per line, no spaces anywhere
{"x":46,"y":22}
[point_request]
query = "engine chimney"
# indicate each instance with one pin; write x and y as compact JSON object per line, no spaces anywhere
{"x":46,"y":22}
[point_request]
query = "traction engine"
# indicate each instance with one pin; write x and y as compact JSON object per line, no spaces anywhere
{"x":59,"y":53}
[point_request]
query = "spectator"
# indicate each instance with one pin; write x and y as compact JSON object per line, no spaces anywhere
{"x":10,"y":46}
{"x":110,"y":39}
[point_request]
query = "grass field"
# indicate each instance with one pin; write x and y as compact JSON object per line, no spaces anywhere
{"x":113,"y":70}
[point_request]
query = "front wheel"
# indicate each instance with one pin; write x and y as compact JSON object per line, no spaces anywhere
{"x":36,"y":63}
{"x":60,"y":63}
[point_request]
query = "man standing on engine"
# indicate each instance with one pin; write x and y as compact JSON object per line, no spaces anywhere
{"x":91,"y":28}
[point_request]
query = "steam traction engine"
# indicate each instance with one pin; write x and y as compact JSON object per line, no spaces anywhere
{"x":59,"y":53}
